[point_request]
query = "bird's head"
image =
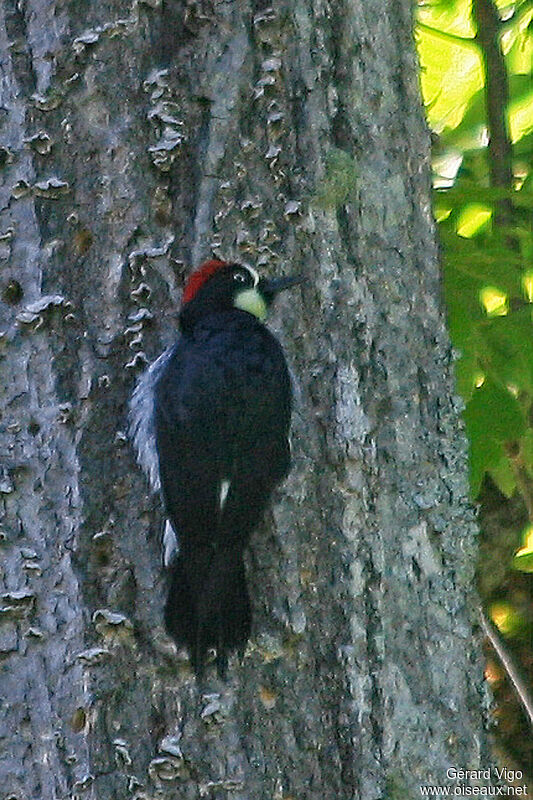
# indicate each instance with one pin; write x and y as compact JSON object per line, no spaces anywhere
{"x":221,"y":286}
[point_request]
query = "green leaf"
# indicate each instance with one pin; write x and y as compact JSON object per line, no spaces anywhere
{"x":523,"y":199}
{"x":467,"y":190}
{"x":503,"y":476}
{"x":494,"y":413}
{"x":461,"y":292}
{"x":467,"y":371}
{"x":485,"y":453}
{"x":500,"y":273}
{"x":507,"y":618}
{"x":473,"y":218}
{"x":445,"y":5}
{"x":475,"y":117}
{"x":524,"y":146}
{"x":523,"y":561}
{"x":526,"y":451}
{"x":467,"y":132}
{"x":523,"y":558}
{"x":505,"y":349}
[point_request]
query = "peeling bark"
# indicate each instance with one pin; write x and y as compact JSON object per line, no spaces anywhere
{"x":139,"y":139}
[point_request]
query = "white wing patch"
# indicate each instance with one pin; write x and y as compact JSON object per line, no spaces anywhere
{"x":170,"y":545}
{"x":141,"y":427}
{"x":224,"y":489}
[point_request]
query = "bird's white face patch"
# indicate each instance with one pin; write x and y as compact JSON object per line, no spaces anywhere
{"x":250,"y":300}
{"x":224,"y":489}
{"x":253,"y":273}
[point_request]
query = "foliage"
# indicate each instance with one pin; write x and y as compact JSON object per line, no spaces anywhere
{"x":486,"y":232}
{"x":483,"y":198}
{"x":523,"y":559}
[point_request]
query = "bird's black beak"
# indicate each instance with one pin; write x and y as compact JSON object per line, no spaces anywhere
{"x":270,"y":287}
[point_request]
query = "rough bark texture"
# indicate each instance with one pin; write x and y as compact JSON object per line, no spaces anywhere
{"x":137,"y":139}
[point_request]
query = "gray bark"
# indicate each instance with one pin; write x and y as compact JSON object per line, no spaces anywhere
{"x":139,"y":139}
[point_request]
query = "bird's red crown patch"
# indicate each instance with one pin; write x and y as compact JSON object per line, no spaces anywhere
{"x":199,"y":277}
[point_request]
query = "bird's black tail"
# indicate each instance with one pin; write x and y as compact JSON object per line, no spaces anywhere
{"x":208,"y":605}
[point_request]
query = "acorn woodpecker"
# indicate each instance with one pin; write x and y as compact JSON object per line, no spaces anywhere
{"x":210,"y":422}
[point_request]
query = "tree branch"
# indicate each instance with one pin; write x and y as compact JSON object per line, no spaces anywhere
{"x":518,"y":683}
{"x":489,"y":29}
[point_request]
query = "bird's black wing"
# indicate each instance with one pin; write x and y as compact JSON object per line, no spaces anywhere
{"x":222,"y":414}
{"x":221,"y":419}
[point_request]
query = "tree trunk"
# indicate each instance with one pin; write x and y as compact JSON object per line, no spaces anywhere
{"x":137,"y":140}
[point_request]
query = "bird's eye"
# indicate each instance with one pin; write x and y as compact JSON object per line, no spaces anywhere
{"x":238,"y":276}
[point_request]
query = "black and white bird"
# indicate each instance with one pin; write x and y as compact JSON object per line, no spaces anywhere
{"x":210,"y":423}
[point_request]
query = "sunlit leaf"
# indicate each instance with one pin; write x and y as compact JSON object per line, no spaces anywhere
{"x":494,"y":301}
{"x":472,"y":219}
{"x":451,"y":64}
{"x":523,"y":561}
{"x":527,"y":285}
{"x":445,"y":169}
{"x":523,"y":558}
{"x":488,"y":277}
{"x":467,"y":133}
{"x":442,"y":213}
{"x":505,"y":617}
{"x":520,"y":116}
{"x":517,"y":44}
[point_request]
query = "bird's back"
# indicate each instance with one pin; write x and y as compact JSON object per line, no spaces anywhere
{"x":225,"y":390}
